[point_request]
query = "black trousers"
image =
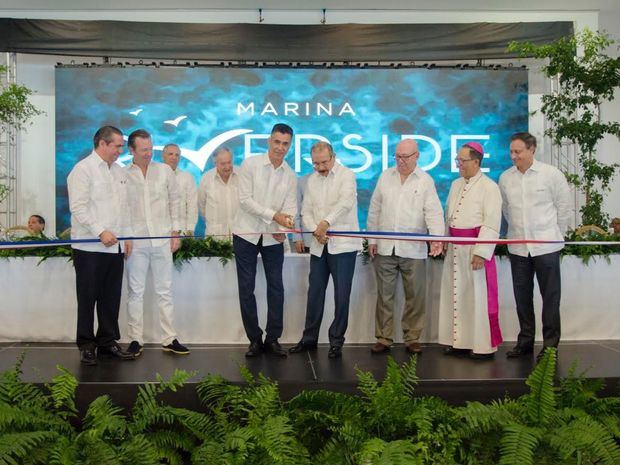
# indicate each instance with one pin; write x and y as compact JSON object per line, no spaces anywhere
{"x":246,"y":258}
{"x":98,"y":282}
{"x":547,"y":270}
{"x":341,"y":267}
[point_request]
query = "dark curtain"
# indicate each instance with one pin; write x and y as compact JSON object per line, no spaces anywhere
{"x":269,"y":42}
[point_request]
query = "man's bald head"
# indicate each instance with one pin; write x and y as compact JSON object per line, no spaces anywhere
{"x":407,"y":146}
{"x":406,"y":156}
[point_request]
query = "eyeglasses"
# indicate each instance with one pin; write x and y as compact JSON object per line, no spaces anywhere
{"x":320,"y":163}
{"x":460,"y":161}
{"x":404,"y":157}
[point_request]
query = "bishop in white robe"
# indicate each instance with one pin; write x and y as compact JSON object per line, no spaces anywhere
{"x":468,"y":309}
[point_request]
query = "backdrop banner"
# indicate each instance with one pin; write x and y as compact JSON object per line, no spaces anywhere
{"x":363,"y":113}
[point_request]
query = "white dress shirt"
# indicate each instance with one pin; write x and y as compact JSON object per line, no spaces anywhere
{"x":218,"y":202}
{"x":153,"y":202}
{"x":188,"y":209}
{"x":98,"y":202}
{"x":412,"y":207}
{"x":332,"y":198}
{"x":536,"y":205}
{"x":264,"y":191}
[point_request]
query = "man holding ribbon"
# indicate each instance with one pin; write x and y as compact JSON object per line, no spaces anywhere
{"x":98,"y":205}
{"x":330,"y":202}
{"x":154,"y":206}
{"x":404,"y":200}
{"x":267,"y":207}
{"x":536,"y":206}
{"x":468,"y":307}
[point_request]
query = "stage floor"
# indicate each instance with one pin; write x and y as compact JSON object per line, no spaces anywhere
{"x":455,"y":379}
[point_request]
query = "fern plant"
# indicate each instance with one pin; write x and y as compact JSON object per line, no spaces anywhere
{"x":34,"y":423}
{"x":252,"y":425}
{"x":249,"y":424}
{"x":542,"y":426}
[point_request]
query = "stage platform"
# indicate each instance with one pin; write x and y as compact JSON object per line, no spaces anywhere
{"x":455,"y":379}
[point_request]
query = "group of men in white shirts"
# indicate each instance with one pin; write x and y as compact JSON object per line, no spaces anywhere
{"x":261,"y":202}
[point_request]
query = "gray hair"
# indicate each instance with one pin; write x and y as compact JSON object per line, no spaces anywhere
{"x":221,"y":149}
{"x":320,"y":146}
{"x":170,"y":145}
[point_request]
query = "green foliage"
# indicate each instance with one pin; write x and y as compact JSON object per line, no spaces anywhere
{"x":400,"y":452}
{"x":249,"y":424}
{"x":588,"y":252}
{"x":518,"y":444}
{"x":585,"y":252}
{"x":42,"y":252}
{"x":15,"y":109}
{"x":547,"y":425}
{"x":207,"y":247}
{"x":540,"y":403}
{"x":587,"y":79}
{"x":190,"y":248}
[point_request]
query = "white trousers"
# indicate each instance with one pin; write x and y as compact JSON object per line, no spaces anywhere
{"x":160,"y":261}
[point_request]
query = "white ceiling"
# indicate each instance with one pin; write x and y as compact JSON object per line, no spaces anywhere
{"x":420,"y":5}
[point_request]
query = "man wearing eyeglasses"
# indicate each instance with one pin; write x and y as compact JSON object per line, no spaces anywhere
{"x":404,"y":200}
{"x":330,"y":202}
{"x":468,"y":306}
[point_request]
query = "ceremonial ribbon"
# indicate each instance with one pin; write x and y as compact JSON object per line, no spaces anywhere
{"x":389,"y":235}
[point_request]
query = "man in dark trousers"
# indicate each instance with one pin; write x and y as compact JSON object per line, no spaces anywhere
{"x":98,"y":205}
{"x":536,"y":205}
{"x":267,"y":207}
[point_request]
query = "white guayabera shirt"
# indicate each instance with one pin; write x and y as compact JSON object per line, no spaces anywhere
{"x":536,"y":205}
{"x":264,"y":191}
{"x":412,"y":207}
{"x":188,"y":208}
{"x":218,"y":202}
{"x":98,"y":202}
{"x":332,"y":198}
{"x":153,"y":202}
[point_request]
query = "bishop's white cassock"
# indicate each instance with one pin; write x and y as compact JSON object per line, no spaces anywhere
{"x":463,"y":311}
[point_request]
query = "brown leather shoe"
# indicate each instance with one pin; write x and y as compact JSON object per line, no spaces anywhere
{"x":379,"y":348}
{"x":414,"y":348}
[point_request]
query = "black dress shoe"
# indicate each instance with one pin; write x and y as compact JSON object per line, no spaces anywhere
{"x":88,"y":357}
{"x":519,"y":351}
{"x":115,"y":350}
{"x":451,"y":351}
{"x":542,"y":353}
{"x":274,"y":348}
{"x":255,"y":349}
{"x":475,"y":356}
{"x":334,"y":352}
{"x":302,"y":346}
